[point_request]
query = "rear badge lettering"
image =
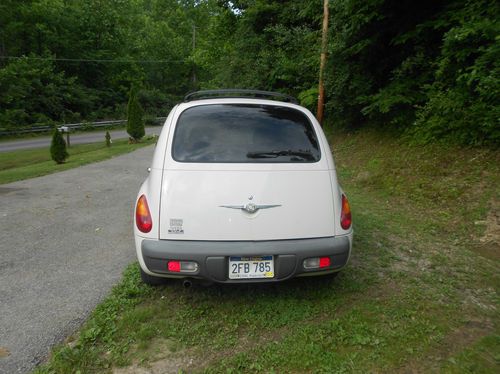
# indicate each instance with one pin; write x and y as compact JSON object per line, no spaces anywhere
{"x":176,"y":226}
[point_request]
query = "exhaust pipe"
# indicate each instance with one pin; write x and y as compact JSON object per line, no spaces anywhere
{"x":187,"y":283}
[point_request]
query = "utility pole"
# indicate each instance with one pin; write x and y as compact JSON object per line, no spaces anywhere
{"x":324,"y":48}
{"x":194,"y":66}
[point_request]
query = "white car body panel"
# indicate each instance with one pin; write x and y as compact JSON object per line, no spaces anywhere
{"x":305,"y":199}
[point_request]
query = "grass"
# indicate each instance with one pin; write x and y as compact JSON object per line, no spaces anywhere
{"x":30,"y":163}
{"x":420,"y":293}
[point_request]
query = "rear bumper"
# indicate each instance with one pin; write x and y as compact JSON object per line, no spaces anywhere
{"x":213,"y":256}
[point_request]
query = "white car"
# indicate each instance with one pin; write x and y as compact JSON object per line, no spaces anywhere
{"x":242,"y":188}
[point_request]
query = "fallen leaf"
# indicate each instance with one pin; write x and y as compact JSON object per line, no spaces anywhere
{"x":4,"y":352}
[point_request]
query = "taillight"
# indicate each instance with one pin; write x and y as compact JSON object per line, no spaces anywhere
{"x":324,"y":262}
{"x":143,"y":216}
{"x":345,"y":215}
{"x":317,"y":262}
{"x":176,"y":266}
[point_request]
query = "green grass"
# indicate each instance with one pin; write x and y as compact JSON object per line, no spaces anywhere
{"x":32,"y":163}
{"x":420,"y":293}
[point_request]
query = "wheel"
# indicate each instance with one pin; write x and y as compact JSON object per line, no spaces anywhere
{"x":152,"y":280}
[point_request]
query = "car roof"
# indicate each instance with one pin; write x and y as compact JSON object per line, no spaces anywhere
{"x":239,"y":93}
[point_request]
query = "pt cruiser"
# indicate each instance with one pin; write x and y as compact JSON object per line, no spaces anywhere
{"x":242,"y":188}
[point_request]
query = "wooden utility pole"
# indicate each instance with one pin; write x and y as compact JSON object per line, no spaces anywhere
{"x":194,"y":66}
{"x":324,"y":48}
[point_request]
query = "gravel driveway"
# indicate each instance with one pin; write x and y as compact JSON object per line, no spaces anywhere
{"x":65,"y":240}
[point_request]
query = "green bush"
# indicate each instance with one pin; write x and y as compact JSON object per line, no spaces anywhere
{"x":135,"y":124}
{"x":108,"y":139}
{"x":58,"y":147}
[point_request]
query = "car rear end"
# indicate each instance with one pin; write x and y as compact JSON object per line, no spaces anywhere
{"x":242,"y":190}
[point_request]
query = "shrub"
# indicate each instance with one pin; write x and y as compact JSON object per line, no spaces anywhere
{"x":58,"y":147}
{"x":108,"y":139}
{"x":135,"y":124}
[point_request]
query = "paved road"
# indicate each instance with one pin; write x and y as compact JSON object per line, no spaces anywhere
{"x":81,"y":138}
{"x":65,"y":239}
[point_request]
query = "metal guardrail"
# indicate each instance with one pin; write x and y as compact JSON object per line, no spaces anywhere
{"x":70,"y":126}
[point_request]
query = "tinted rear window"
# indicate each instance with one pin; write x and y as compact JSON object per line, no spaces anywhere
{"x":244,"y":133}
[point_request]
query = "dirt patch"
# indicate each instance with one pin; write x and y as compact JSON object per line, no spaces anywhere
{"x":409,"y":264}
{"x":6,"y":190}
{"x":456,"y":341}
{"x":484,"y":299}
{"x":4,"y":352}
{"x":362,"y":176}
{"x":161,"y":359}
{"x":409,"y":257}
{"x":489,"y":243}
{"x":170,"y":365}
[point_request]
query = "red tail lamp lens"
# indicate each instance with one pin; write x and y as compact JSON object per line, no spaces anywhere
{"x":324,"y":262}
{"x":345,"y":216}
{"x":143,"y":216}
{"x":174,"y":266}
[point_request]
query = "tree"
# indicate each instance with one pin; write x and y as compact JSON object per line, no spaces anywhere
{"x":33,"y":92}
{"x":135,"y":124}
{"x":429,"y":69}
{"x":58,"y":147}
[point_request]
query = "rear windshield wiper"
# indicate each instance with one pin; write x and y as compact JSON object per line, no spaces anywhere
{"x":307,"y":155}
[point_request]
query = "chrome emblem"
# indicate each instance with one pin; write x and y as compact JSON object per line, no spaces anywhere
{"x":250,"y":207}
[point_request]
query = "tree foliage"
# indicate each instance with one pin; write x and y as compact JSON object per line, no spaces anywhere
{"x":426,"y":68}
{"x":33,"y":92}
{"x":462,"y":102}
{"x":429,"y":68}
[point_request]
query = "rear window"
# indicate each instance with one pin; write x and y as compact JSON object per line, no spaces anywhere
{"x":227,"y":133}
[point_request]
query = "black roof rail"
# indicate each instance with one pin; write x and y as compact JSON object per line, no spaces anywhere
{"x":238,"y":93}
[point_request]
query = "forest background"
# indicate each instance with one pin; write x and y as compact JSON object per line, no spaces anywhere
{"x":428,"y":70}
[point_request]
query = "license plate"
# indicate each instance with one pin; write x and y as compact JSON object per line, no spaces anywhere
{"x":251,"y":267}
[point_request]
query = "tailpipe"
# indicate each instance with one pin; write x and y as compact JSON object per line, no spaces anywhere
{"x":187,"y":283}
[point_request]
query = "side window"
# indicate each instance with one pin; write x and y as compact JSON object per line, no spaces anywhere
{"x":243,"y":133}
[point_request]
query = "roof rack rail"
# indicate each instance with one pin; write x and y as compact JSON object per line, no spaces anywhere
{"x":237,"y":93}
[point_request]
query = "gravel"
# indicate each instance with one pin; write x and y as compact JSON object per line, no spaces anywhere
{"x":65,"y":240}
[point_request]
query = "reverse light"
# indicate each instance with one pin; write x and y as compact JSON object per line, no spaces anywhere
{"x":317,"y":262}
{"x":182,"y":266}
{"x":143,"y":216}
{"x":345,"y":215}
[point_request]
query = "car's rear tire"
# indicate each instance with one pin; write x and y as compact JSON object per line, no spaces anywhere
{"x":152,"y":280}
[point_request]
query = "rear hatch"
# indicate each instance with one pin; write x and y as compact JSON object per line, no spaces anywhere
{"x":245,"y":172}
{"x":210,"y":205}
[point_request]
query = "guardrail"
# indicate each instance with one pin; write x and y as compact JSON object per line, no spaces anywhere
{"x":71,"y":126}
